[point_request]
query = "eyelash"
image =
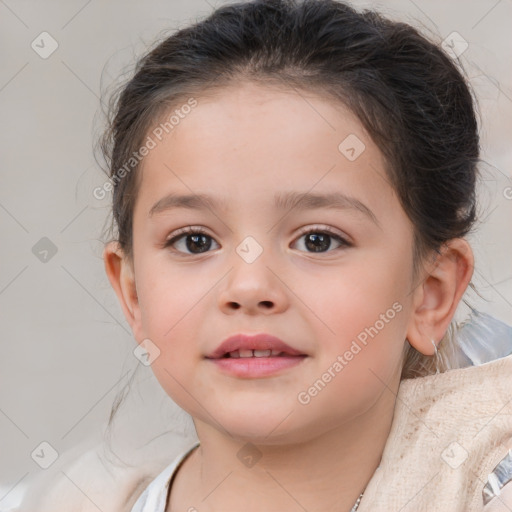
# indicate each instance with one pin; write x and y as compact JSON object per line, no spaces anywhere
{"x":190,"y":230}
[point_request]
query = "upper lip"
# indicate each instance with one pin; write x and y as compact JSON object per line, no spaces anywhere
{"x":252,"y":342}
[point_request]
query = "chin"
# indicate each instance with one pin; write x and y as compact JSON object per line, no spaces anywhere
{"x":267,"y":425}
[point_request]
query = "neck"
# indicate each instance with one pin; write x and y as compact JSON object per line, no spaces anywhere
{"x":324,"y":473}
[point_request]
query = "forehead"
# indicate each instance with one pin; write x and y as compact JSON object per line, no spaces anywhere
{"x":249,"y":140}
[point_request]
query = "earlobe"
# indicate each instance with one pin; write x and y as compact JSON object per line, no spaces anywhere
{"x":439,"y":294}
{"x":120,"y":273}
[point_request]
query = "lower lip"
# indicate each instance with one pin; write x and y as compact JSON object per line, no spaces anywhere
{"x":256,"y":366}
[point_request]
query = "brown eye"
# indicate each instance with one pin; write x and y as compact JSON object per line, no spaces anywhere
{"x":195,"y":241}
{"x":320,"y":241}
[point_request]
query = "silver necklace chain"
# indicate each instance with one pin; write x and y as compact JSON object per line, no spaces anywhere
{"x":356,"y":504}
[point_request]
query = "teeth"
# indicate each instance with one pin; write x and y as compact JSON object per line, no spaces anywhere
{"x":262,"y":353}
{"x":254,"y":353}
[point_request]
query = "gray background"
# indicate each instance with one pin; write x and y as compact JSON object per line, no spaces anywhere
{"x":66,"y":348}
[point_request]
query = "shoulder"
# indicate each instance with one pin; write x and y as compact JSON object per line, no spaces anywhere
{"x":503,"y":502}
{"x":90,"y":481}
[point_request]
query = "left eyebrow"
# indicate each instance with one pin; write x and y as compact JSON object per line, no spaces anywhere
{"x":282,"y":200}
{"x":332,"y":200}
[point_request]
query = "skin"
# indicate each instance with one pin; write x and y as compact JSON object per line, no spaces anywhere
{"x":317,"y":456}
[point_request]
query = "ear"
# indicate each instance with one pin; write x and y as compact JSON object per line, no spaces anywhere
{"x":121,"y":275}
{"x":437,"y":297}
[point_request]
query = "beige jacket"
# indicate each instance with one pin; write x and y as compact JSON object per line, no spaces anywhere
{"x":449,"y":431}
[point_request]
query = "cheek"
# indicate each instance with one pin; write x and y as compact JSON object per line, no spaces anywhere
{"x":169,"y":299}
{"x":171,"y":309}
{"x":350,"y":299}
{"x":168,"y":316}
{"x":361,"y":338}
{"x":362,"y":316}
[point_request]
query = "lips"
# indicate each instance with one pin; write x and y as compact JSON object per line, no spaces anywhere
{"x":261,"y":345}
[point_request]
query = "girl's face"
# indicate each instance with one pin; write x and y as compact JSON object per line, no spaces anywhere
{"x":348,"y":306}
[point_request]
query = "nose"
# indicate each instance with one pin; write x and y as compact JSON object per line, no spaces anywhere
{"x":253,"y":288}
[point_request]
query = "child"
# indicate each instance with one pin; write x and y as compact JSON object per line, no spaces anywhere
{"x":293,"y":182}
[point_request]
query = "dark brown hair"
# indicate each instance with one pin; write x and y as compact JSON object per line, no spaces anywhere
{"x":409,"y":95}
